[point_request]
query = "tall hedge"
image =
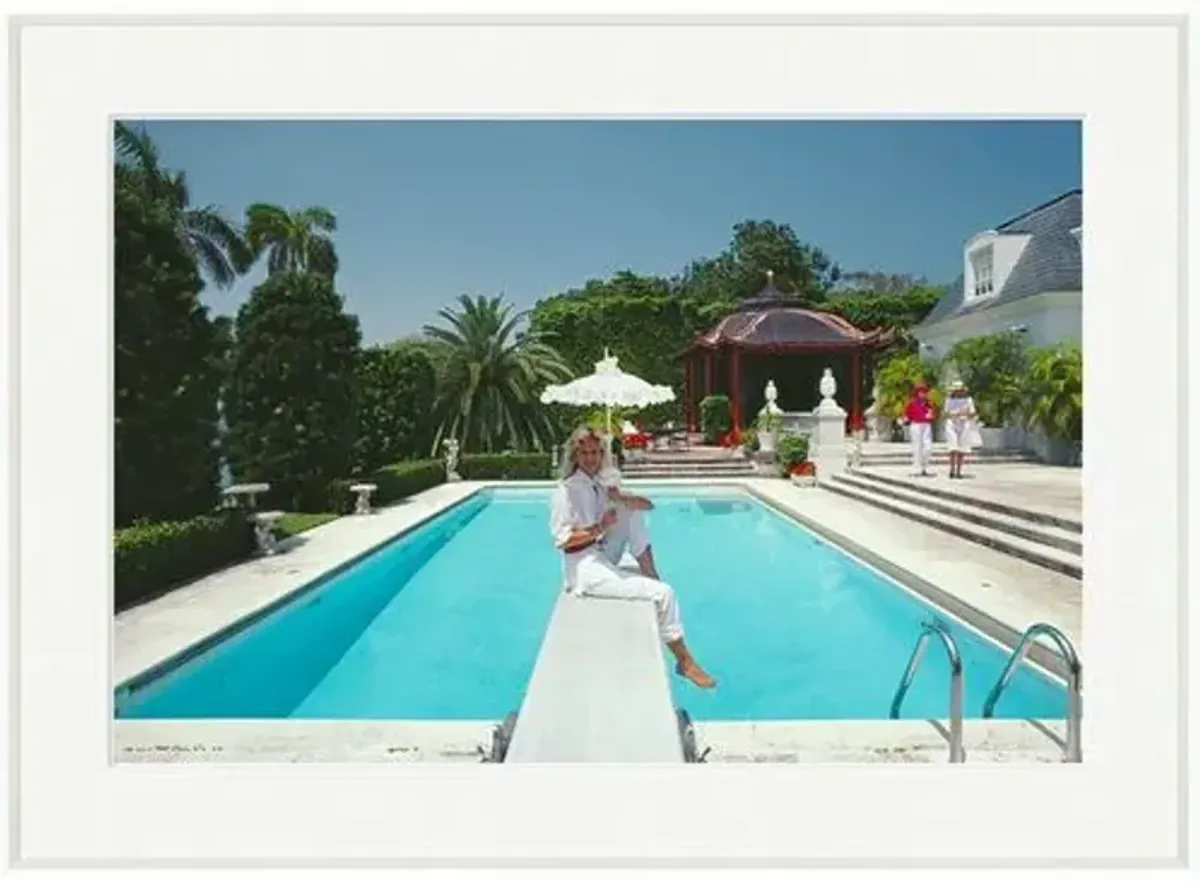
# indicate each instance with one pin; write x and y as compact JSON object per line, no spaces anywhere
{"x":291,"y":403}
{"x":396,"y":396}
{"x":167,"y":352}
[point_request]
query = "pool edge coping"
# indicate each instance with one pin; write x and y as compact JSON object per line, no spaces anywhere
{"x":227,"y":742}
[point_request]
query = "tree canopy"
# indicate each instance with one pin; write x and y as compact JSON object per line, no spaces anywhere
{"x":492,"y":377}
{"x":291,"y":403}
{"x":168,"y":351}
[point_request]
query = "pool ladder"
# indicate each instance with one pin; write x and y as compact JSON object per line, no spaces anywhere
{"x":929,"y":630}
{"x":1072,"y":749}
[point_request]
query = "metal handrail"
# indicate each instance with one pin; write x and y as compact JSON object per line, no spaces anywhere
{"x":1073,"y":751}
{"x":957,"y":754}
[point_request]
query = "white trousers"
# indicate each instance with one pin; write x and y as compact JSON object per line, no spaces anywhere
{"x":921,"y":437}
{"x":597,"y":576}
{"x":598,"y":573}
{"x":629,"y":532}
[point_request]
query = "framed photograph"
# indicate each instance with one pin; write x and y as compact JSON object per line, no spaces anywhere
{"x":615,"y":441}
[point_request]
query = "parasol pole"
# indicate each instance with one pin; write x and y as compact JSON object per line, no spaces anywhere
{"x":608,"y":456}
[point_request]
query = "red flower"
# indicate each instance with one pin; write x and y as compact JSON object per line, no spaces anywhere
{"x":636,"y":440}
{"x":732,"y":438}
{"x":803,"y":469}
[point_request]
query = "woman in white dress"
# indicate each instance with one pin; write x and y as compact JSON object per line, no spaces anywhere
{"x":581,"y":523}
{"x":962,"y":433}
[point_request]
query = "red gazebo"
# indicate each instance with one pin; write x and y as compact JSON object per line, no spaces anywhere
{"x":770,"y":336}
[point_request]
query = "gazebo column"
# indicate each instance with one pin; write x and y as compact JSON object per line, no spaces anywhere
{"x":708,"y":373}
{"x":856,"y":417}
{"x":689,"y":393}
{"x":735,"y":387}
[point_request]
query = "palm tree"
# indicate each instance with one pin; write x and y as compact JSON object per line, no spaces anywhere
{"x":218,"y":247}
{"x":489,"y":396}
{"x":294,"y":241}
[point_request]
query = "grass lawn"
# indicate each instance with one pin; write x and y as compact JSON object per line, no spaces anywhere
{"x":297,"y":522}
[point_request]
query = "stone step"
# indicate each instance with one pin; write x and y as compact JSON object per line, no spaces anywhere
{"x":688,"y":474}
{"x":1018,"y":523}
{"x":1047,"y":556}
{"x":723,"y":456}
{"x":736,"y":466}
{"x":942,"y":457}
{"x":1067,"y":525}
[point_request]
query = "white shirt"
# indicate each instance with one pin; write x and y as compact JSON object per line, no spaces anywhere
{"x":578,"y":501}
{"x":958,"y":408}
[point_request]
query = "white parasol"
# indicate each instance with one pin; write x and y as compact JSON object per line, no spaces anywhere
{"x":610,"y":387}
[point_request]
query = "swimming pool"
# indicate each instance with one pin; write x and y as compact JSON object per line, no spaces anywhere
{"x":446,"y":622}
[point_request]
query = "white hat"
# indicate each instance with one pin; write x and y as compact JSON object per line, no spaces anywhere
{"x":957,"y":384}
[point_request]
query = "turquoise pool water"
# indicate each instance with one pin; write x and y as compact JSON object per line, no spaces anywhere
{"x":446,"y":623}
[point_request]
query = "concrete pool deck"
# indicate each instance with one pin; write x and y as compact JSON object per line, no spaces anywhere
{"x":1001,"y":589}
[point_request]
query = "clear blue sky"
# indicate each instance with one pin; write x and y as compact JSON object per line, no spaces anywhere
{"x":428,"y":210}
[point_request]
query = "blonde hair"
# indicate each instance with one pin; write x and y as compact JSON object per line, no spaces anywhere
{"x":570,"y":452}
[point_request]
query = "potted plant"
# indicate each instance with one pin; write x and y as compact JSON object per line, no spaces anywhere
{"x":715,"y":418}
{"x":768,"y":425}
{"x":793,"y":455}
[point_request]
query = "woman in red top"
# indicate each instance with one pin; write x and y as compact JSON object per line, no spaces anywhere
{"x":920,"y":414}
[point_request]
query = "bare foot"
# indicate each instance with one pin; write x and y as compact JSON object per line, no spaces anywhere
{"x":696,"y":674}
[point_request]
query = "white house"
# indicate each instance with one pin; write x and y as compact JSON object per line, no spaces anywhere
{"x":1024,"y":275}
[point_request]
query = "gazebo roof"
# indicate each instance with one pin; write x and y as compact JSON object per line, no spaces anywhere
{"x":770,"y":321}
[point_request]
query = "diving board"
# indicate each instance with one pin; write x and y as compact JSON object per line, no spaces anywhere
{"x":599,"y":691}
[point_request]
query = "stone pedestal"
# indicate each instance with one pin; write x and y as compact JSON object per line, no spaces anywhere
{"x":828,"y":442}
{"x":828,"y":448}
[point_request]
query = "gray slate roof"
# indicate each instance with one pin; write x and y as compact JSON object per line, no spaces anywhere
{"x":1052,"y":259}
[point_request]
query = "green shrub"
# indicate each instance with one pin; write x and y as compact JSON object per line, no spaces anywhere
{"x":896,"y":379}
{"x":393,"y":483}
{"x":1053,"y":392}
{"x":506,"y":466}
{"x":715,"y":418}
{"x":151,"y":557}
{"x":750,"y":440}
{"x":992,"y":366}
{"x":791,"y":449}
{"x":396,"y":387}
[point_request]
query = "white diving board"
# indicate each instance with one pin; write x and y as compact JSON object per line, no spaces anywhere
{"x":599,"y":691}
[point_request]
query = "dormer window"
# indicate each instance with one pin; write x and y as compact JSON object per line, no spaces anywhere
{"x":982,"y":266}
{"x":1078,"y":234}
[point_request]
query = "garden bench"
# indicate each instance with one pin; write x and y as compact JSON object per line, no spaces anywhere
{"x":243,"y":494}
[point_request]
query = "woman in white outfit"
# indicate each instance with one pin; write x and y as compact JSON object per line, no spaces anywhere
{"x":582,"y":522}
{"x":961,"y":430}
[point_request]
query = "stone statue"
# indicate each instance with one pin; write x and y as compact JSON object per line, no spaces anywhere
{"x":771,"y":393}
{"x":828,"y":389}
{"x":828,"y":384}
{"x":451,"y":447}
